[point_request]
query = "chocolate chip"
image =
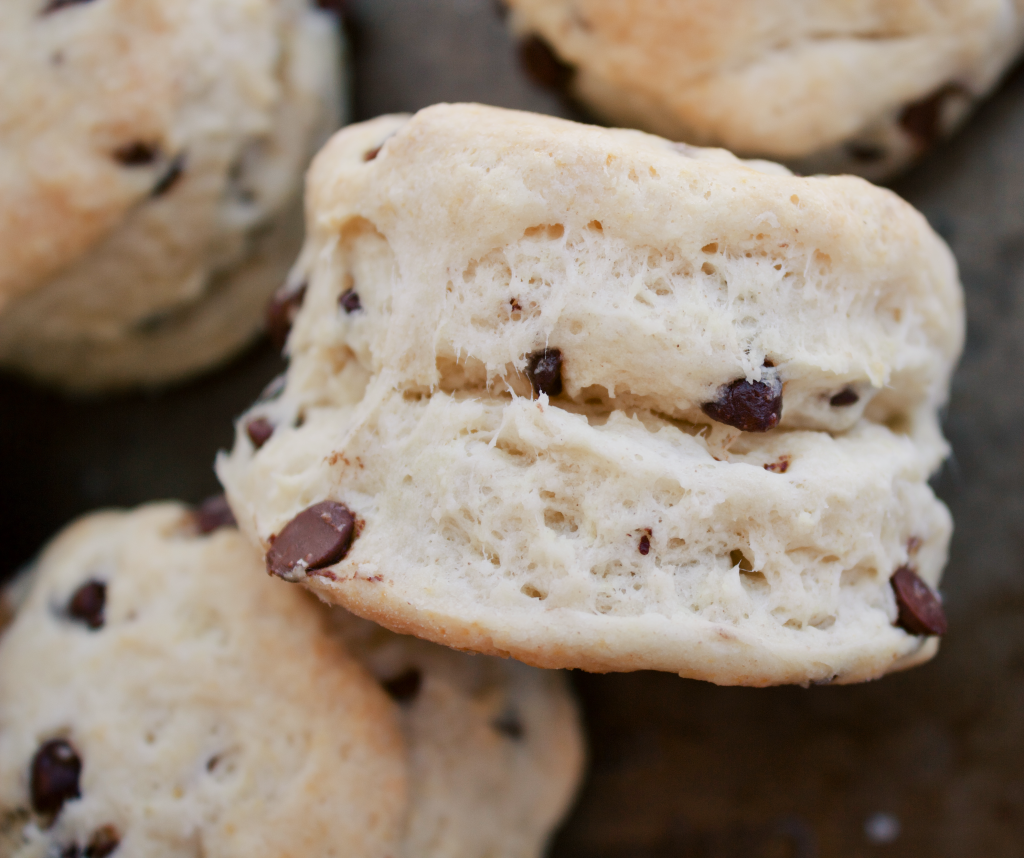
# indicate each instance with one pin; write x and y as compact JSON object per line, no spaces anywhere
{"x":778,"y":467}
{"x":54,"y":5}
{"x":103,"y":841}
{"x":259,"y":431}
{"x":405,"y":686}
{"x":54,"y":776}
{"x":866,"y":153}
{"x":317,"y":537}
{"x":750,"y":406}
{"x":349,"y":301}
{"x":920,"y":611}
{"x":88,"y":602}
{"x":137,"y":154}
{"x":373,"y":153}
{"x":170,"y":177}
{"x":281,"y":312}
{"x":543,"y":65}
{"x":509,"y":724}
{"x":846,"y":396}
{"x":922,"y":120}
{"x":645,"y":545}
{"x":213,"y":514}
{"x":544,"y":369}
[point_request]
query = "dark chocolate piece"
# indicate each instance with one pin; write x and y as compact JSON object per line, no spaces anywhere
{"x":281,"y":312}
{"x":405,"y":686}
{"x":349,"y":301}
{"x":922,"y":120}
{"x":920,"y":611}
{"x":318,"y":536}
{"x":750,"y":406}
{"x":259,"y":431}
{"x":846,"y":396}
{"x":645,"y":545}
{"x":544,"y":369}
{"x":53,"y":778}
{"x":213,"y":514}
{"x":87,"y":603}
{"x":137,"y":154}
{"x":543,"y":66}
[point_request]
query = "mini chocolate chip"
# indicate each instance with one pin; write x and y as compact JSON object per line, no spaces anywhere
{"x":645,"y":545}
{"x":866,"y":153}
{"x":54,"y":5}
{"x":509,"y":724}
{"x":349,"y":301}
{"x":778,"y":467}
{"x":259,"y":431}
{"x":88,"y":602}
{"x":920,"y":611}
{"x":373,"y":153}
{"x":846,"y":396}
{"x":103,"y":841}
{"x":281,"y":312}
{"x":317,"y":537}
{"x":405,"y":686}
{"x":54,"y":776}
{"x":213,"y":514}
{"x":137,"y":154}
{"x":515,"y":305}
{"x":750,"y":406}
{"x":544,"y":369}
{"x":922,"y":120}
{"x":170,"y":177}
{"x":542,"y":64}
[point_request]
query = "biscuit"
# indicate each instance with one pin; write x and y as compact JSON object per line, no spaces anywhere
{"x":496,"y":749}
{"x":863,"y":88}
{"x":150,"y":179}
{"x":593,"y":400}
{"x":492,"y":750}
{"x":150,"y":701}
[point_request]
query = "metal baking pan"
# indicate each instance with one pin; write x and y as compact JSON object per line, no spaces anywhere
{"x":926,"y":763}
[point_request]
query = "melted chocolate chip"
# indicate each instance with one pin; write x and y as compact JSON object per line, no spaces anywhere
{"x":542,"y":65}
{"x":920,"y":611}
{"x":922,"y":120}
{"x":645,"y":545}
{"x":54,"y":776}
{"x":259,"y":431}
{"x":405,"y":686}
{"x":509,"y":724}
{"x":87,"y":603}
{"x":213,"y":514}
{"x":846,"y":396}
{"x":750,"y":406}
{"x":170,"y":177}
{"x":349,"y":301}
{"x":317,"y":537}
{"x":373,"y":153}
{"x":137,"y":154}
{"x":778,"y":467}
{"x":54,"y":5}
{"x":281,"y":312}
{"x":544,"y":369}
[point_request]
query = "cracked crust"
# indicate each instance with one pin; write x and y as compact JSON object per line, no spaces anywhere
{"x":149,"y":182}
{"x":837,"y":87}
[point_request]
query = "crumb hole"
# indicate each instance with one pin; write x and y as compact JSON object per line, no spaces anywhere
{"x":710,"y":248}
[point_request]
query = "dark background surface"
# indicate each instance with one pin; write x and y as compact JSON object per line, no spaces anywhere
{"x":927,"y":763}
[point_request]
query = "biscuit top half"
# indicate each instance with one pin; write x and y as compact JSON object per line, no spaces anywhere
{"x":475,"y":238}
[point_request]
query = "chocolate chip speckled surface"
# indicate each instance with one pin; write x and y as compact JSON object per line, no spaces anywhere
{"x":925,"y":763}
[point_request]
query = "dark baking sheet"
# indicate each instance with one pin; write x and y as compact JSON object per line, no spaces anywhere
{"x":928,"y":763}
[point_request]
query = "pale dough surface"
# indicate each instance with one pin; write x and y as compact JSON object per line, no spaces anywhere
{"x":213,"y":712}
{"x":151,"y":161}
{"x":823,"y":84}
{"x":511,"y":524}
